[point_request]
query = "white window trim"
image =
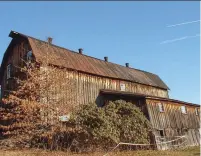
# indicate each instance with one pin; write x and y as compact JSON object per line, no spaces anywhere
{"x":183,"y":111}
{"x":122,"y":86}
{"x":196,"y":111}
{"x":161,"y":107}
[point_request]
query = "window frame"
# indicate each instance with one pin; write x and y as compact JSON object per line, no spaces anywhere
{"x":29,"y":55}
{"x":8,"y":71}
{"x":161,"y":132}
{"x":197,"y":111}
{"x":161,"y":107}
{"x":183,"y":111}
{"x":122,"y":86}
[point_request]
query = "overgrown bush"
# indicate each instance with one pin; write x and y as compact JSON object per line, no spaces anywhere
{"x":119,"y":121}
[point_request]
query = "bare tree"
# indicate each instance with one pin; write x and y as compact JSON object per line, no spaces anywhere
{"x":42,"y":95}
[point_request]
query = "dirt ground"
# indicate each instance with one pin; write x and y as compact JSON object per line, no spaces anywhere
{"x":192,"y":151}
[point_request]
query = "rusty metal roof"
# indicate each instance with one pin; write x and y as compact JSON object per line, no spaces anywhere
{"x":80,"y":62}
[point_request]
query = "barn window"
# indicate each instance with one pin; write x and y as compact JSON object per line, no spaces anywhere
{"x":29,"y":56}
{"x":122,"y":86}
{"x":179,"y":131}
{"x":161,"y":132}
{"x":196,"y":111}
{"x":161,"y":107}
{"x":183,"y":109}
{"x":9,"y":71}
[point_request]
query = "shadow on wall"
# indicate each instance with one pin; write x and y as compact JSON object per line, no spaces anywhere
{"x":100,"y":100}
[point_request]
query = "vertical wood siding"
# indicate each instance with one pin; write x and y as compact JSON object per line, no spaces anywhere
{"x":16,"y":54}
{"x":87,"y":86}
{"x":173,"y":122}
{"x":172,"y":117}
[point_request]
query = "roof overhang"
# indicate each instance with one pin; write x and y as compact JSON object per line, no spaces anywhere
{"x":14,"y":34}
{"x":172,"y":100}
{"x":124,"y":93}
{"x":137,"y":95}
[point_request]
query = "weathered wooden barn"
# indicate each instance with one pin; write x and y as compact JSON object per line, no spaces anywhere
{"x":99,"y":81}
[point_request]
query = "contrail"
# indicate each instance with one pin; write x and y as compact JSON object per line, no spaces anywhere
{"x":183,"y":23}
{"x":179,"y":39}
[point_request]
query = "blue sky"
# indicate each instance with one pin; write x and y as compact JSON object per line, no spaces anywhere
{"x":124,"y":31}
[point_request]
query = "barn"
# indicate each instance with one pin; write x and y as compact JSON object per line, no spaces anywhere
{"x":99,"y":81}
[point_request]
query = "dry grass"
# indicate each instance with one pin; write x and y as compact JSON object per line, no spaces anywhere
{"x":193,"y":151}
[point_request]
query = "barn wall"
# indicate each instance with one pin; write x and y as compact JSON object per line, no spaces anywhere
{"x":17,"y":53}
{"x":86,"y":87}
{"x":173,"y":122}
{"x":91,"y":85}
